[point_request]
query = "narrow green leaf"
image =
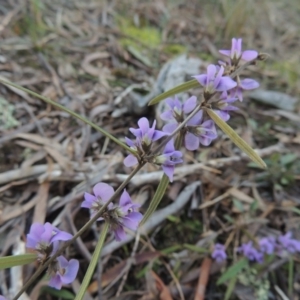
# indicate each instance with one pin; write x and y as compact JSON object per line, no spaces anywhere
{"x":62,"y":294}
{"x":196,"y":248}
{"x":230,"y":288}
{"x":17,"y":260}
{"x":236,"y":138}
{"x":95,"y":258}
{"x":159,"y":193}
{"x":233,"y":271}
{"x":72,"y":113}
{"x":291,"y":276}
{"x":176,"y":90}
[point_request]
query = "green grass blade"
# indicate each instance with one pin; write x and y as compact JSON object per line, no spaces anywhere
{"x":72,"y":113}
{"x":176,"y":90}
{"x":236,"y":139}
{"x":90,"y":271}
{"x":291,"y":276}
{"x":159,"y":193}
{"x":17,"y":260}
{"x":233,"y":271}
{"x":230,"y":288}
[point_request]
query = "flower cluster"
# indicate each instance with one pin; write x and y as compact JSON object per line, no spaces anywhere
{"x":118,"y":216}
{"x":265,"y":246}
{"x":145,"y":136}
{"x":221,"y":88}
{"x":44,"y":240}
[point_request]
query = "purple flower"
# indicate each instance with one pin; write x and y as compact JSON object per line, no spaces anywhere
{"x":244,"y":84}
{"x":214,"y":80}
{"x":102,"y":193}
{"x":219,"y":253}
{"x":125,"y":215}
{"x":290,"y":245}
{"x":145,"y":135}
{"x":169,"y":159}
{"x":236,"y":52}
{"x":45,"y":238}
{"x":251,"y":253}
{"x":64,"y":272}
{"x":267,"y":245}
{"x":224,"y":106}
{"x":177,"y":109}
{"x":118,"y":216}
{"x":197,"y":132}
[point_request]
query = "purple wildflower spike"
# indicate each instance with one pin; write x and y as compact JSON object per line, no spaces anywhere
{"x":125,"y":215}
{"x":45,"y":238}
{"x":236,"y":54}
{"x":267,"y":245}
{"x":102,"y":193}
{"x":251,"y":253}
{"x":63,"y":272}
{"x":169,"y":159}
{"x":214,"y":81}
{"x":288,"y":243}
{"x":244,"y":84}
{"x":224,"y":106}
{"x":219,"y":253}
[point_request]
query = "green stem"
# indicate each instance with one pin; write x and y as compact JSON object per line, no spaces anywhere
{"x":72,"y":113}
{"x":79,"y":233}
{"x":90,"y":271}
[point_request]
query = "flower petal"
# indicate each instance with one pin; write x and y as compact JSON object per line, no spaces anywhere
{"x":169,"y":148}
{"x":61,"y":236}
{"x":224,"y":115}
{"x":132,"y":220}
{"x":249,"y":55}
{"x":120,"y":234}
{"x":158,"y":135}
{"x":129,"y":142}
{"x":55,"y":282}
{"x":202,"y":79}
{"x":211,"y":72}
{"x":125,"y":199}
{"x":103,"y":190}
{"x":170,"y":127}
{"x":144,"y":125}
{"x":225,"y":52}
{"x":167,"y":115}
{"x":196,"y":119}
{"x":70,"y":271}
{"x":248,"y":84}
{"x":191,"y":141}
{"x":225,"y":84}
{"x":190,"y":104}
{"x":169,"y":171}
{"x":130,"y":160}
{"x":88,"y":200}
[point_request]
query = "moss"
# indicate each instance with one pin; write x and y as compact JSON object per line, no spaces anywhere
{"x":174,"y":49}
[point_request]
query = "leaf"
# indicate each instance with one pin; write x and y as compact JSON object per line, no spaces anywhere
{"x":176,"y":90}
{"x":17,"y":260}
{"x":233,"y":271}
{"x":93,"y":263}
{"x":236,"y":139}
{"x":230,"y":288}
{"x":159,"y":193}
{"x":63,"y":294}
